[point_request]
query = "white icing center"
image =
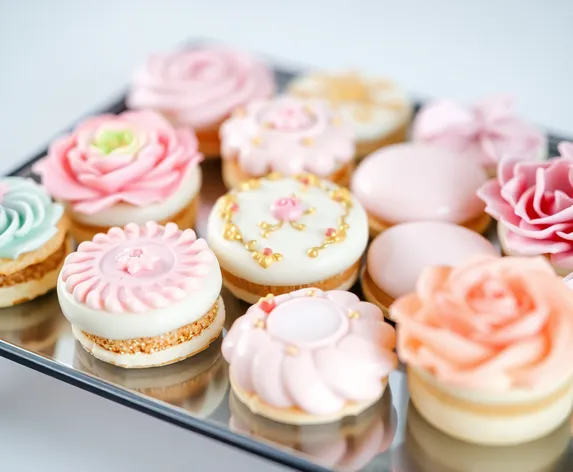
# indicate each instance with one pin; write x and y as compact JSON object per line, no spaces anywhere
{"x":307,"y":321}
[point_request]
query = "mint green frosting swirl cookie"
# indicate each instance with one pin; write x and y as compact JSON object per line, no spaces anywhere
{"x":28,"y":216}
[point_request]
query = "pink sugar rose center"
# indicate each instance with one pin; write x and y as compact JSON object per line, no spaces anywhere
{"x":287,"y":209}
{"x":289,"y":119}
{"x":136,"y":261}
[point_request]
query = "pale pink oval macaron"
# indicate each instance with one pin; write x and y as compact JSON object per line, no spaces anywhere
{"x":397,"y":257}
{"x":420,"y":182}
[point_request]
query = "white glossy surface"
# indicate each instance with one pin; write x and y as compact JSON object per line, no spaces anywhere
{"x":60,"y":59}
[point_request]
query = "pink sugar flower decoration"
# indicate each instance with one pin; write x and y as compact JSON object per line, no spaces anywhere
{"x":287,"y":209}
{"x":136,"y":260}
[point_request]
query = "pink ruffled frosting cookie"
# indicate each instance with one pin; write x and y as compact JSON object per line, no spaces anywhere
{"x":486,"y":131}
{"x":200,"y":87}
{"x":289,"y":135}
{"x":310,"y":356}
{"x":493,"y":324}
{"x":128,"y":287}
{"x":136,"y":158}
{"x":533,"y":203}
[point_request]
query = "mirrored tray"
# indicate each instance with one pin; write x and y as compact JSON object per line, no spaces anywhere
{"x":194,"y":394}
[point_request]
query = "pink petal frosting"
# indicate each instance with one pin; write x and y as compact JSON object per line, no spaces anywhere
{"x":289,"y":135}
{"x":486,"y":131}
{"x":534,"y":202}
{"x":92,"y":172}
{"x":308,"y":353}
{"x":138,"y":268}
{"x":200,"y":87}
{"x":492,"y":324}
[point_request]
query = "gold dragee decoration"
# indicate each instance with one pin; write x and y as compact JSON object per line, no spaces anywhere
{"x":264,"y":258}
{"x":352,"y":88}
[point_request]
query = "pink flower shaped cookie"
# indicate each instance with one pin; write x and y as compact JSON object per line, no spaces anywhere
{"x":486,"y":132}
{"x":199,"y":88}
{"x":533,"y":204}
{"x":310,"y":356}
{"x":143,"y":296}
{"x":127,"y":168}
{"x":488,"y":347}
{"x":287,"y":135}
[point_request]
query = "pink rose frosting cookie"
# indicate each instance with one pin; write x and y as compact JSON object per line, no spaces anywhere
{"x":486,"y":132}
{"x":419,"y":182}
{"x":199,"y":88}
{"x":533,"y":204}
{"x":143,"y":296}
{"x":288,"y":135}
{"x":396,"y":257}
{"x":127,"y":168}
{"x":310,"y":356}
{"x":488,"y":345}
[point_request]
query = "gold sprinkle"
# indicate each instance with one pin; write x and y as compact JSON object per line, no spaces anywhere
{"x":239,"y":112}
{"x":257,"y":141}
{"x":310,"y":293}
{"x":307,"y":141}
{"x":353,"y":315}
{"x":157,"y":343}
{"x":260,"y":324}
{"x":292,"y":350}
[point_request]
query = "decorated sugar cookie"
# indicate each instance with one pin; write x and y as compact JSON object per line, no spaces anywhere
{"x":128,"y":168}
{"x":34,"y":240}
{"x":533,"y":205}
{"x":143,"y":296}
{"x":288,"y":135}
{"x":310,"y":356}
{"x":420,"y":182}
{"x":487,"y":346}
{"x":276,"y":234}
{"x":397,"y":256}
{"x":486,"y":132}
{"x":377,"y":109}
{"x":199,"y":88}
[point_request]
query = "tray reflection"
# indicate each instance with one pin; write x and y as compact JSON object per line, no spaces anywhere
{"x":387,"y":437}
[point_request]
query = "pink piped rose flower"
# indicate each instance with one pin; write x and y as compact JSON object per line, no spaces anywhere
{"x":137,"y":158}
{"x":533,"y":201}
{"x":492,"y":324}
{"x":287,"y":209}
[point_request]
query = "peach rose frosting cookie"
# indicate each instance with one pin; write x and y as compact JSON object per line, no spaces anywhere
{"x":533,"y":204}
{"x":143,"y":295}
{"x":488,"y":346}
{"x":485,"y":132}
{"x":419,"y":182}
{"x":310,"y":356}
{"x":287,"y":135}
{"x":118,"y":169}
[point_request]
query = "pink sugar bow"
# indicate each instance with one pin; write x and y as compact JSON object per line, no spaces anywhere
{"x":489,"y":129}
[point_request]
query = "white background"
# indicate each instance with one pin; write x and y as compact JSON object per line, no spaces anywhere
{"x":63,"y":58}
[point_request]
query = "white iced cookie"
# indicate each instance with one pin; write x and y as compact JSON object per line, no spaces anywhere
{"x":277,"y":234}
{"x":377,"y":109}
{"x":143,"y":296}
